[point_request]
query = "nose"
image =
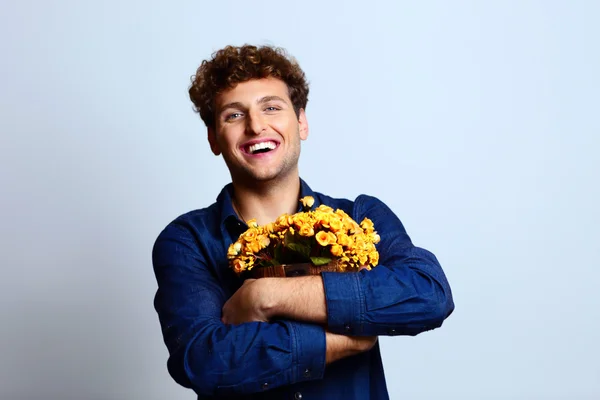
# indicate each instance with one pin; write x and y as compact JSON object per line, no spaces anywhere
{"x":256,"y":123}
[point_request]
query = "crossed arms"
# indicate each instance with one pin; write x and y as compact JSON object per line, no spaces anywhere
{"x":275,"y":332}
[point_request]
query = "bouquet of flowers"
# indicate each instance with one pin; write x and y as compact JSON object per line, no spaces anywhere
{"x":321,"y":237}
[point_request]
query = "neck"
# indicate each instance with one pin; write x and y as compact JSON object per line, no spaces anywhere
{"x":265,"y":201}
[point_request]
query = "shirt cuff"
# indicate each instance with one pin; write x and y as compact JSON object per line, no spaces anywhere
{"x":309,"y":350}
{"x":344,"y":302}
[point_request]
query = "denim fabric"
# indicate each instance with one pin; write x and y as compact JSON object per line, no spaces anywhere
{"x":407,"y":293}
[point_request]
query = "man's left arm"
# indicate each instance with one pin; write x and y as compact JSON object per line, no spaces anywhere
{"x":406,"y":294}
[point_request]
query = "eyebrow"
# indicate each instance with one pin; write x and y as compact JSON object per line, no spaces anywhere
{"x":266,"y":99}
{"x":262,"y":100}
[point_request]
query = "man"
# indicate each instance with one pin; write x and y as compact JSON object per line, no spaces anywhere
{"x":312,"y":337}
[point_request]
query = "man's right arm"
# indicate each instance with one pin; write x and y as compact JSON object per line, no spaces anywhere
{"x":216,"y":359}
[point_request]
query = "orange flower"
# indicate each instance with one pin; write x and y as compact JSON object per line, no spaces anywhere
{"x":238,"y":265}
{"x":322,"y":238}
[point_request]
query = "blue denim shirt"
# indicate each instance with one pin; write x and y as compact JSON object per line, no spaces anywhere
{"x":407,"y":293}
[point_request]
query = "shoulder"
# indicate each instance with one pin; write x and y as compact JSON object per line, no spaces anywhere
{"x":187,"y":228}
{"x":361,"y":206}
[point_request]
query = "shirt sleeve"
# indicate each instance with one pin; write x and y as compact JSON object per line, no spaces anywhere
{"x":406,"y":294}
{"x":210,"y":357}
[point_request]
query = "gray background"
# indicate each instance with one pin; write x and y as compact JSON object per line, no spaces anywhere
{"x":476,"y":121}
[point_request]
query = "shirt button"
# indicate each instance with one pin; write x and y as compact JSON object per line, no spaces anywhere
{"x":298,"y":396}
{"x":347,"y":328}
{"x":393,"y":331}
{"x":307,"y":373}
{"x":265,"y":386}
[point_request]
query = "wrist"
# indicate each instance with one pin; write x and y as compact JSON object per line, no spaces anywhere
{"x":266,"y":297}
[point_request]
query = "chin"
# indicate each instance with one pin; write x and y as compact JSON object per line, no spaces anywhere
{"x":265,"y":175}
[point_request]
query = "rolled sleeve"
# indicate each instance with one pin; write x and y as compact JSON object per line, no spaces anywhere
{"x":345,"y":302}
{"x":309,"y":350}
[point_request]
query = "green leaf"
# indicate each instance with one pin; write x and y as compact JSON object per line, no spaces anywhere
{"x":277,"y":253}
{"x":318,"y":261}
{"x":288,"y":238}
{"x":300,"y":248}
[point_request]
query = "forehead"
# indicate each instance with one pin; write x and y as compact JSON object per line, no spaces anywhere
{"x":252,"y":91}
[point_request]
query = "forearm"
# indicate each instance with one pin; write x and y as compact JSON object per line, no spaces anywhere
{"x":298,"y":299}
{"x":223,"y":360}
{"x":406,"y":296}
{"x":341,"y":346}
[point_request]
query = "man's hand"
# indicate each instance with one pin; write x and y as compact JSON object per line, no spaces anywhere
{"x":245,"y":305}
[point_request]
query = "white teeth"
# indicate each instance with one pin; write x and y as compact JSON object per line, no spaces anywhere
{"x":261,"y":146}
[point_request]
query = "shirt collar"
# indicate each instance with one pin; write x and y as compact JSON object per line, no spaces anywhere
{"x":228,"y":214}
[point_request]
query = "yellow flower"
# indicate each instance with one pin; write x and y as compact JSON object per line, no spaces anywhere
{"x":374,"y":258}
{"x":325,"y":208}
{"x":335,"y":225}
{"x":270,"y":227}
{"x":249,"y":235}
{"x":264,"y":241}
{"x":306,"y":230}
{"x":300,"y":220}
{"x":307,"y":201}
{"x":367,"y":225}
{"x":322,"y":219}
{"x":337,"y":250}
{"x":375,"y":238}
{"x":252,"y":223}
{"x":322,"y":238}
{"x":282,"y":221}
{"x":348,"y":222}
{"x":341,"y":213}
{"x":234,"y":249}
{"x":363,"y":259}
{"x":359,"y":243}
{"x":344,"y":240}
{"x":254,"y":246}
{"x":331,"y":238}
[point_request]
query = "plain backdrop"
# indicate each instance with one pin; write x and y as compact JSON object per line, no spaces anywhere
{"x":477,"y":122}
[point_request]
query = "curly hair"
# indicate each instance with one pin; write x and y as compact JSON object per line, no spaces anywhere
{"x":233,"y":65}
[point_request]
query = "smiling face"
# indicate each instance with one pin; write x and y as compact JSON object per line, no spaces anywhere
{"x":257,"y":131}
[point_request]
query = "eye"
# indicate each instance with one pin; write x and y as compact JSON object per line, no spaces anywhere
{"x":232,"y":116}
{"x":271,"y":108}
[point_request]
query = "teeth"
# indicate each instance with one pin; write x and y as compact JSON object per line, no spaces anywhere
{"x":261,"y":146}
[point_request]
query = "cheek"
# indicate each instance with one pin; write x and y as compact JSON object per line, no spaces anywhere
{"x":285,"y":126}
{"x":227,"y":139}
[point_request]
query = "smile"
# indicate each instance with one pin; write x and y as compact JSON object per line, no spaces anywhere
{"x":260,"y":148}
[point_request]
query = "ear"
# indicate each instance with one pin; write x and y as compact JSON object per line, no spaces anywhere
{"x":212,"y":140}
{"x":302,"y":124}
